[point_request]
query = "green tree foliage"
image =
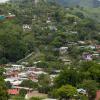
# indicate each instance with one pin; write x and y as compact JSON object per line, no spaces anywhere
{"x":3,"y":90}
{"x":66,"y":92}
{"x":69,"y":76}
{"x":95,"y":71}
{"x":91,"y":88}
{"x":80,"y":15}
{"x":42,"y":65}
{"x":12,"y":47}
{"x":23,"y":92}
{"x":2,"y":70}
{"x":91,"y":69}
{"x":29,"y":84}
{"x":3,"y":94}
{"x":44,"y":83}
{"x":8,"y":85}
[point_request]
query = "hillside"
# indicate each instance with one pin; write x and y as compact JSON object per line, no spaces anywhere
{"x":47,"y":24}
{"x":49,"y":51}
{"x":82,"y":3}
{"x":68,"y":3}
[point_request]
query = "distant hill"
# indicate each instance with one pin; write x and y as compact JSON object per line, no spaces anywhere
{"x":69,"y":3}
{"x":91,"y":7}
{"x":84,"y":3}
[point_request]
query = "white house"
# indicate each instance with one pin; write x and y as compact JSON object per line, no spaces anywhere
{"x":26,"y":27}
{"x":63,"y":50}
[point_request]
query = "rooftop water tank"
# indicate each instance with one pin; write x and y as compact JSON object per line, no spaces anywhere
{"x":2,"y":17}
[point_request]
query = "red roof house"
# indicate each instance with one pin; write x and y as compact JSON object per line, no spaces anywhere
{"x":13,"y":91}
{"x":98,"y":95}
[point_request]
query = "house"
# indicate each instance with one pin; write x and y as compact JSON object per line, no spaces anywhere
{"x":26,"y":27}
{"x":29,"y":90}
{"x":92,"y":47}
{"x":67,"y":61}
{"x":98,"y":47}
{"x":72,"y":43}
{"x":81,"y":91}
{"x":37,"y":62}
{"x":98,"y":95}
{"x":13,"y":91}
{"x":14,"y":81}
{"x":34,"y":18}
{"x":24,"y":63}
{"x":81,"y":42}
{"x":10,"y":79}
{"x":35,"y":1}
{"x":55,"y":72}
{"x":17,"y":67}
{"x":22,"y":75}
{"x":52,"y":77}
{"x":39,"y":72}
{"x":11,"y":73}
{"x":87,"y":56}
{"x":73,"y":32}
{"x":48,"y":20}
{"x":96,"y":55}
{"x":10,"y":16}
{"x":63,"y":50}
{"x":53,"y":28}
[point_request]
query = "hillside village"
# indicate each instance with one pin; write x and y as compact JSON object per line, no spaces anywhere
{"x":48,"y":52}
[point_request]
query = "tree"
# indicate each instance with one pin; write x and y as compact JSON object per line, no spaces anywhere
{"x":3,"y":90}
{"x":86,"y":65}
{"x":12,"y":45}
{"x":29,"y":84}
{"x":3,"y":60}
{"x":92,"y":68}
{"x":95,"y":72}
{"x":91,"y":88}
{"x":44,"y":83}
{"x":2,"y":70}
{"x":3,"y":94}
{"x":80,"y":15}
{"x":8,"y":85}
{"x":69,"y":76}
{"x":2,"y":83}
{"x":67,"y":92}
{"x":23,"y":92}
{"x":42,"y":64}
{"x":57,"y":42}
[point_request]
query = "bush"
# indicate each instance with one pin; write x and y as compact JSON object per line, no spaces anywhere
{"x":35,"y":98}
{"x":23,"y":92}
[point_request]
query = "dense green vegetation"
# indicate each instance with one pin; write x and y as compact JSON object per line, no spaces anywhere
{"x":3,"y":88}
{"x":43,"y":36}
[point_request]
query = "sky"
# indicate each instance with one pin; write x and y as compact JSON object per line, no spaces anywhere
{"x":3,"y":1}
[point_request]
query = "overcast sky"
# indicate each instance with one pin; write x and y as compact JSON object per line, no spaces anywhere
{"x":3,"y":0}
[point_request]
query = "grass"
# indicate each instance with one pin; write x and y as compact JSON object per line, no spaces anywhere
{"x":17,"y":98}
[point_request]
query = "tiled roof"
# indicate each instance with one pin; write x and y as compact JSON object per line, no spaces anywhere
{"x":13,"y":91}
{"x":98,"y":95}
